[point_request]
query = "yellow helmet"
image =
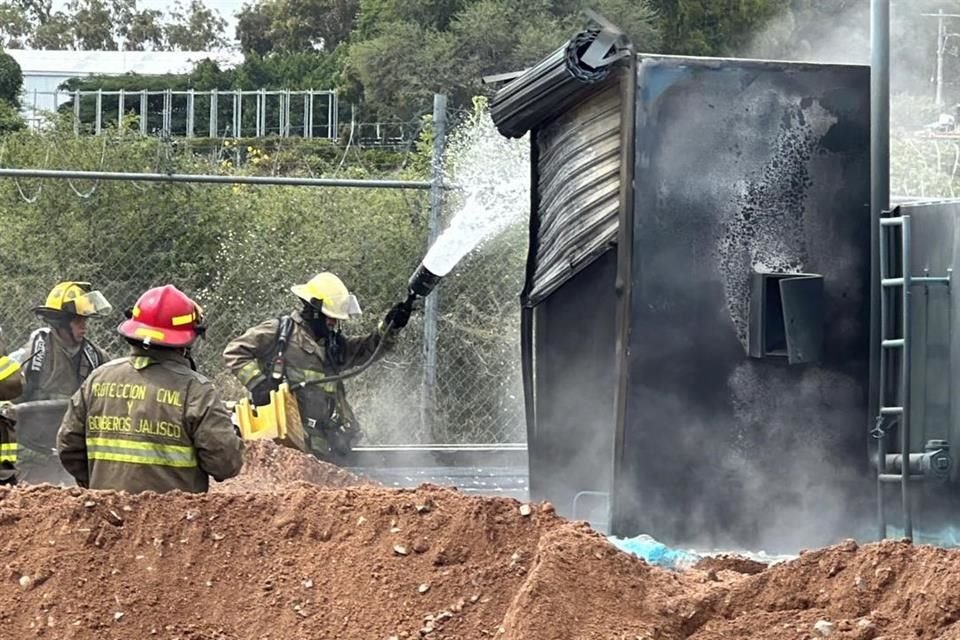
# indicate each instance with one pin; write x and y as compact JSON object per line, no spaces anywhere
{"x":327,"y":292}
{"x":74,"y":298}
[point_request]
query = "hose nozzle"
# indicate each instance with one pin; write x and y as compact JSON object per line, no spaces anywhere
{"x":422,"y":282}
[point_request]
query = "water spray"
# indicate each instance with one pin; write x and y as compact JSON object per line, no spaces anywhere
{"x":492,"y":185}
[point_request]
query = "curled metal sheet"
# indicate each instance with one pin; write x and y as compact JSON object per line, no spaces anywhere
{"x":556,"y":83}
{"x":579,"y":185}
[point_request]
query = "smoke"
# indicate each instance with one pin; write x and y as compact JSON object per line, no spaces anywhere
{"x":838,"y":32}
{"x":805,"y":36}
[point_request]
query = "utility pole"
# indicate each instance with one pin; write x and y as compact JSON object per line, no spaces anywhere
{"x":941,"y":44}
{"x":879,"y":200}
{"x":941,"y":48}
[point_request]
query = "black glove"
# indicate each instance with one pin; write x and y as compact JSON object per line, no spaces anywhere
{"x":260,"y":394}
{"x":398,"y":316}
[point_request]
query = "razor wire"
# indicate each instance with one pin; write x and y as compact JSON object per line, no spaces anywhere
{"x":239,"y":249}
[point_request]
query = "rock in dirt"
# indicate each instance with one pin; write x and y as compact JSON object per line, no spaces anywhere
{"x":824,"y":628}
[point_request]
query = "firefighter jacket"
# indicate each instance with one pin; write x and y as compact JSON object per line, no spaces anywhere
{"x":10,"y":388}
{"x":324,"y":408}
{"x":148,"y":422}
{"x":56,"y":370}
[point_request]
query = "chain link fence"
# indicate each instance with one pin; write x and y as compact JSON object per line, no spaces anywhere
{"x":238,"y":249}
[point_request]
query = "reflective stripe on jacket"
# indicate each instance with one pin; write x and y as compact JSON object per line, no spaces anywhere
{"x":148,"y":423}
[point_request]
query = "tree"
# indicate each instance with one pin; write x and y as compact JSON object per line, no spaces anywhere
{"x":195,"y":27}
{"x":398,"y":80}
{"x":11,"y":80}
{"x":711,"y":27}
{"x":11,"y":83}
{"x":92,"y":25}
{"x":254,"y":24}
{"x":14,"y":25}
{"x":479,"y":38}
{"x":377,"y":15}
{"x":138,"y":29}
{"x":296,"y":25}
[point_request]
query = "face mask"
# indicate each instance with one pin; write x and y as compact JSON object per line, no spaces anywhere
{"x":316,"y":321}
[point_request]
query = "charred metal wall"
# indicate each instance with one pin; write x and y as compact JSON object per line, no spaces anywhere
{"x":570,"y":443}
{"x":744,"y":167}
{"x":570,"y":300}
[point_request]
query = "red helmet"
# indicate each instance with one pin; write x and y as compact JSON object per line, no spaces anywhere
{"x":164,"y":316}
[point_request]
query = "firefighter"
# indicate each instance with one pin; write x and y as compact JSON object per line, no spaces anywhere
{"x":307,"y":345}
{"x":149,"y":421}
{"x":11,"y":386}
{"x":61,"y":355}
{"x":55,"y":361}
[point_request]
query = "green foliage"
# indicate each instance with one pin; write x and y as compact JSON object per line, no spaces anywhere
{"x":109,"y":24}
{"x":402,"y":86}
{"x":239,"y":248}
{"x":377,"y":16}
{"x":11,"y":80}
{"x":11,"y":83}
{"x":395,"y":54}
{"x":195,"y":27}
{"x":296,"y":25}
{"x":10,"y":119}
{"x":711,"y":27}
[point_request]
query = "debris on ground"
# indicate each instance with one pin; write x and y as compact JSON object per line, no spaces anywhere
{"x":292,"y":560}
{"x":268,"y":466}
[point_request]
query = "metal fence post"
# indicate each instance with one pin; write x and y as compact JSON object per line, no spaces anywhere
{"x":144,"y":110}
{"x":213,"y":114}
{"x":431,"y":308}
{"x":76,"y":112}
{"x":97,"y":120}
{"x":190,"y":112}
{"x":120,"y":108}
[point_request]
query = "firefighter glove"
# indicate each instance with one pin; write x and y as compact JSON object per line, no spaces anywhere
{"x":398,"y":316}
{"x":260,"y":394}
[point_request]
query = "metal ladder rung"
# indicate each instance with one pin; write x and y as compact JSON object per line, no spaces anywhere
{"x":893,"y":288}
{"x":896,"y":477}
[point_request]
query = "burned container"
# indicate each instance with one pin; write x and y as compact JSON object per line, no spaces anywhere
{"x":696,"y":323}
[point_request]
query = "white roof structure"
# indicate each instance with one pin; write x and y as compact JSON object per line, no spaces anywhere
{"x":45,"y":70}
{"x":69,"y":64}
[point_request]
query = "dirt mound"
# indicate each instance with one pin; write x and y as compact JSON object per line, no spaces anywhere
{"x":890,"y":590}
{"x":371,"y":563}
{"x":737,"y":564}
{"x":268,"y":466}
